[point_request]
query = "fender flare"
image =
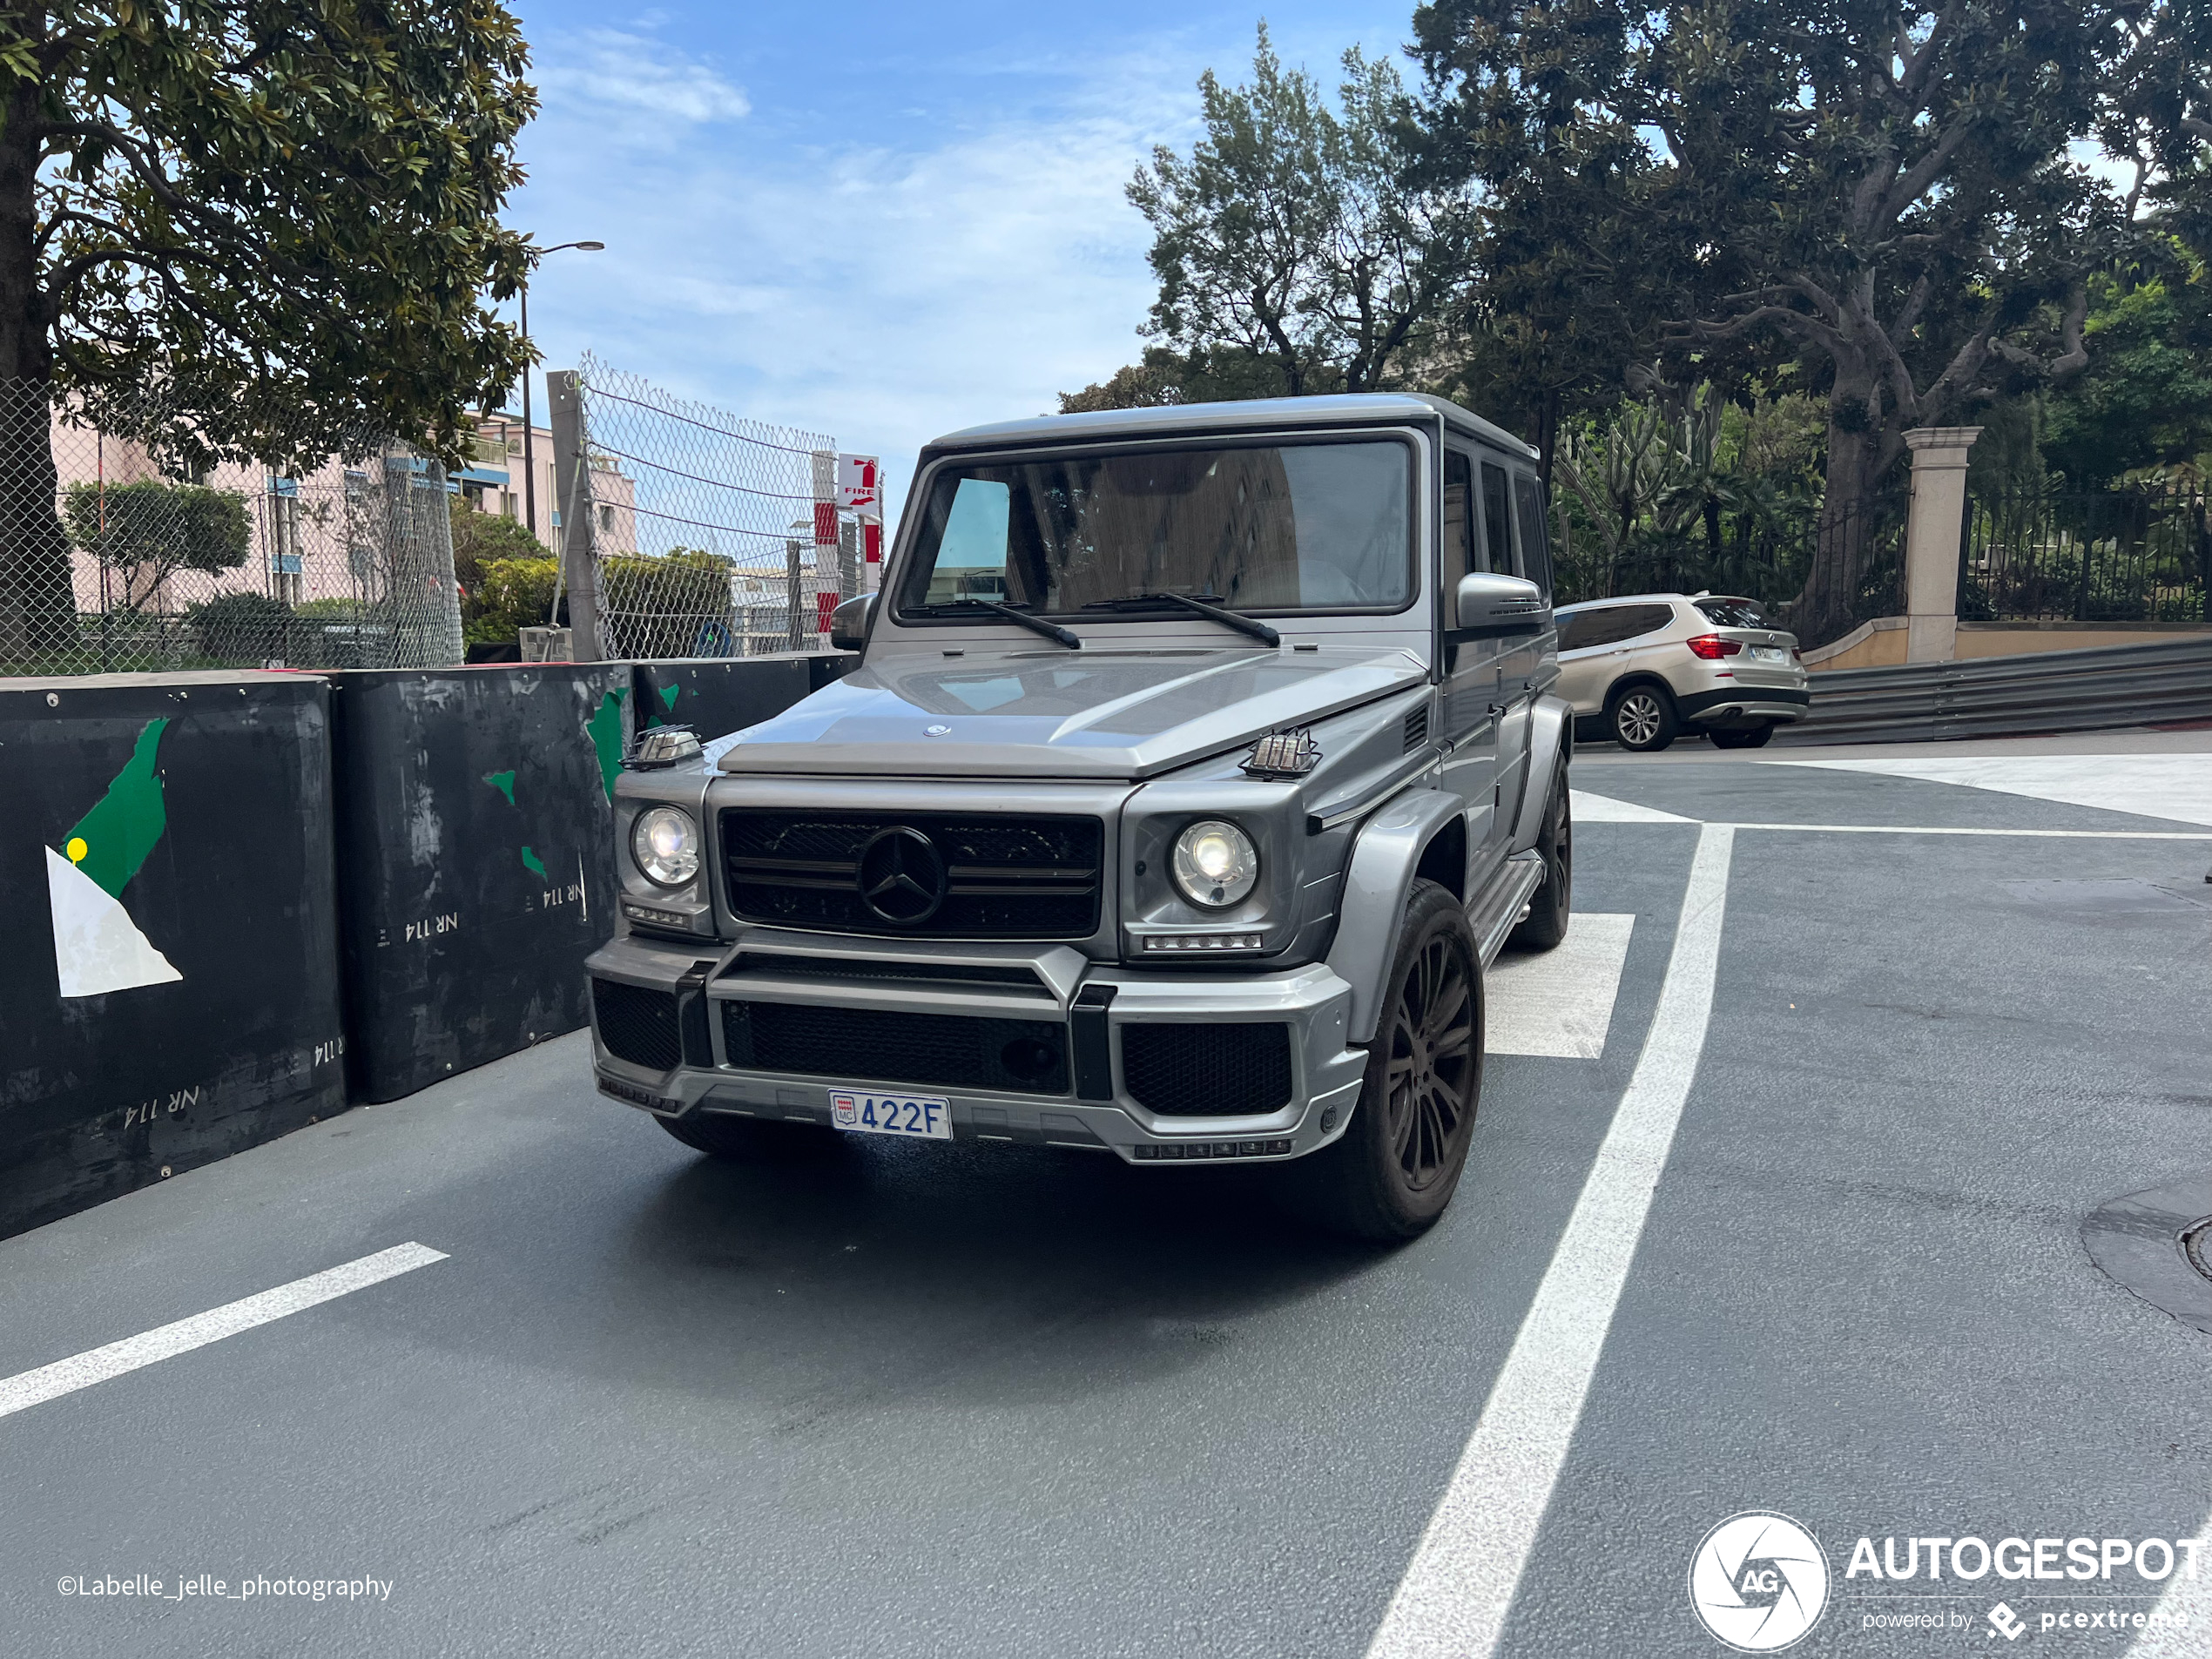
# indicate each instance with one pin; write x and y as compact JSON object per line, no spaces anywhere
{"x":1548,"y":725}
{"x":1377,"y":879}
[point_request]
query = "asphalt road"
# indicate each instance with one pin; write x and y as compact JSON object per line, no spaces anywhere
{"x":914,"y":1400}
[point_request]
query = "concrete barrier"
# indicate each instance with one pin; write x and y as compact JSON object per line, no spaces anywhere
{"x":236,"y":900}
{"x":169,"y":993}
{"x":475,"y":872}
{"x":715,"y":697}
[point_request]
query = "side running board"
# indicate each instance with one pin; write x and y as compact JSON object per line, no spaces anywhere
{"x":1499,"y":908}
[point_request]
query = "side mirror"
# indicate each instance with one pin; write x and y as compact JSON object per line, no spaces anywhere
{"x":1490,"y":603}
{"x":848,"y":629}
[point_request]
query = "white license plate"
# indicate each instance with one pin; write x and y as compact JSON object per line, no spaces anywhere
{"x":1769,"y":654}
{"x":919,"y":1115}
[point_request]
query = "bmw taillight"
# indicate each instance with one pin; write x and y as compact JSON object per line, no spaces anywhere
{"x":1712,"y":647}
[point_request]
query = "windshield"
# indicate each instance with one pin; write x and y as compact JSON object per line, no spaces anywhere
{"x":1290,"y":527}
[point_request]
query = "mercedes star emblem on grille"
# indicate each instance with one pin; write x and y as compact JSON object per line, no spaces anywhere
{"x":902,"y":876}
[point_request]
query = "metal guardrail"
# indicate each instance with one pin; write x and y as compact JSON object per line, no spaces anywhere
{"x":2059,"y":691}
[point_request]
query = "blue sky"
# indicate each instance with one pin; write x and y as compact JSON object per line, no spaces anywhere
{"x":877,"y":221}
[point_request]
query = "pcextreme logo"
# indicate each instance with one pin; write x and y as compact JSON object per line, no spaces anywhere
{"x":1759,"y":1581}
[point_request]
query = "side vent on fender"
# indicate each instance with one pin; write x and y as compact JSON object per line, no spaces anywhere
{"x":1416,"y":728}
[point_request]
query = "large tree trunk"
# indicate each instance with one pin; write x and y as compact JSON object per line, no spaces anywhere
{"x":38,"y":610}
{"x":1827,"y":608}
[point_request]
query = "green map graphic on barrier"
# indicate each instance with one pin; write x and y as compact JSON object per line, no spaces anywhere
{"x":98,"y":948}
{"x":604,"y":729}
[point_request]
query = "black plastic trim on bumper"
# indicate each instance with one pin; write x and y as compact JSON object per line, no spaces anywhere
{"x":1698,"y":701}
{"x":1092,"y":1041}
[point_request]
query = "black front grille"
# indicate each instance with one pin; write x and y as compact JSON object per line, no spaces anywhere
{"x":1184,"y":1070}
{"x":1013,"y":877}
{"x":762,"y":964}
{"x":871,"y":1046}
{"x":637,"y":1025}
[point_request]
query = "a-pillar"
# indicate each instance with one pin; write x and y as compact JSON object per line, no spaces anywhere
{"x":1931,"y":532}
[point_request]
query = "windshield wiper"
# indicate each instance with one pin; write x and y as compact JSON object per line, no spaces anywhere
{"x":1221,"y":614}
{"x":1051,"y":631}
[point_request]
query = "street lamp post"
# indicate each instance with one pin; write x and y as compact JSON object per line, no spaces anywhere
{"x":530,"y":446}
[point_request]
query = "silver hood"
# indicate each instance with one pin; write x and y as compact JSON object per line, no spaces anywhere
{"x":1094,"y":714}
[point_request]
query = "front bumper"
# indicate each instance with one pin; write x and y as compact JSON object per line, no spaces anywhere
{"x":1094,"y":1108}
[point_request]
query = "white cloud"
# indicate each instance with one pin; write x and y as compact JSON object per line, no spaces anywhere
{"x":606,"y":70}
{"x":882,"y":294}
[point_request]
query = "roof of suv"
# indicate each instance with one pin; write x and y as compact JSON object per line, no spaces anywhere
{"x":1658,"y":598}
{"x":1261,"y":412}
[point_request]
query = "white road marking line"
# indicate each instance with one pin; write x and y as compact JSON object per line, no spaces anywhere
{"x":2183,"y":1611}
{"x":1937,"y":829}
{"x":1558,"y":1003}
{"x":1452,"y":1601}
{"x":1603,"y":809}
{"x":31,"y":1388}
{"x":2170,"y":787}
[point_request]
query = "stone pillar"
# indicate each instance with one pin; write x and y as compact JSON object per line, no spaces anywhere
{"x":1931,"y":533}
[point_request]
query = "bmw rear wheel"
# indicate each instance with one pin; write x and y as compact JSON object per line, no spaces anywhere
{"x":1749,"y":737}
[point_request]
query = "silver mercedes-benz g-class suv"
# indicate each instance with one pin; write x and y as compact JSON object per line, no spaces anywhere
{"x":1196,"y":762}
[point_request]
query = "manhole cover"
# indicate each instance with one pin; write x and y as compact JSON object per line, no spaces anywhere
{"x":2194,"y":1241}
{"x":2158,"y":1244}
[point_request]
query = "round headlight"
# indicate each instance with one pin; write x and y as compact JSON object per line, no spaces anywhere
{"x":666,"y":843}
{"x":1216,"y":864}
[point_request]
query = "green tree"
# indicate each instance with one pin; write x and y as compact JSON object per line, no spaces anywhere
{"x":1880,"y":193}
{"x":510,"y":595}
{"x":149,"y":532}
{"x":245,"y":229}
{"x":2146,"y":399}
{"x":1206,"y":374}
{"x":1302,"y":237}
{"x":481,"y":538}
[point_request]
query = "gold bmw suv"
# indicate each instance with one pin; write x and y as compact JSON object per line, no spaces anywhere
{"x":1643,"y":670}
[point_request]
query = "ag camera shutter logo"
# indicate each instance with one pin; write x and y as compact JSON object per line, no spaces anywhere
{"x":1759,"y":1581}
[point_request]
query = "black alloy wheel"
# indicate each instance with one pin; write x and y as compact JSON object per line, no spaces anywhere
{"x":1431,"y":1054}
{"x":1545,"y":924}
{"x":1642,"y":718}
{"x":1394,"y":1169}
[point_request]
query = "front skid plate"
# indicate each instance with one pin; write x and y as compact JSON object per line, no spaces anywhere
{"x":1052,"y":1122}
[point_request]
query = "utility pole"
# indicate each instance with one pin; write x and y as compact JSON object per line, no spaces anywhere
{"x":530,"y":446}
{"x":572,"y":488}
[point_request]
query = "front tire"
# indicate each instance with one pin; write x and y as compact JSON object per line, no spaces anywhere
{"x":1546,"y":923}
{"x":1642,"y":719}
{"x":1395,"y":1169}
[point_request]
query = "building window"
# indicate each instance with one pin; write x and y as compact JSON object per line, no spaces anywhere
{"x":607,"y":518}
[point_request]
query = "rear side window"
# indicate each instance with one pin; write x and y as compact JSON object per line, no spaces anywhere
{"x":1610,"y":624}
{"x":1535,"y":550}
{"x":1733,"y":613}
{"x":1461,"y":556}
{"x":1497,"y":520}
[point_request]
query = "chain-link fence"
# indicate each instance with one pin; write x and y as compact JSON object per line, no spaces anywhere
{"x":705,"y":527}
{"x":112,"y":561}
